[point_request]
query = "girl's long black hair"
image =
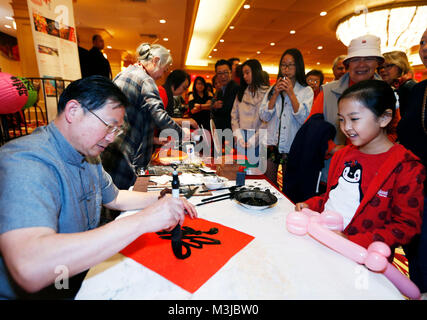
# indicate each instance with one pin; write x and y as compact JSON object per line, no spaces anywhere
{"x":299,"y":65}
{"x":205,"y":87}
{"x":174,"y":79}
{"x":376,"y":95}
{"x":258,"y":80}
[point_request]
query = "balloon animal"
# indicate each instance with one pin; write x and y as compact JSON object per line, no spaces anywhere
{"x":322,"y":227}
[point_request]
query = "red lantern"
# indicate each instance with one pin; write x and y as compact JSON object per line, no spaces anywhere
{"x":13,"y":93}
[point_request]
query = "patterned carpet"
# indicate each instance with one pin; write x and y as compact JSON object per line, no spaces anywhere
{"x":400,"y":261}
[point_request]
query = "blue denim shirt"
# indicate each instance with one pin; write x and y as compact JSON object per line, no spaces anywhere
{"x":291,"y":121}
{"x":45,"y":182}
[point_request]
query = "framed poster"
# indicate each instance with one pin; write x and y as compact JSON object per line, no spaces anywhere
{"x":55,"y":41}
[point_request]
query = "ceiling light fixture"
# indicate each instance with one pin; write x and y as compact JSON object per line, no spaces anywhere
{"x":319,"y":47}
{"x":271,"y":69}
{"x":208,"y":28}
{"x":272,"y":44}
{"x":323,"y":13}
{"x":292,"y":32}
{"x":221,"y":40}
{"x":246,"y":6}
{"x":231,"y":27}
{"x":399,"y":28}
{"x":165,"y":39}
{"x":162,"y":21}
{"x":258,"y":52}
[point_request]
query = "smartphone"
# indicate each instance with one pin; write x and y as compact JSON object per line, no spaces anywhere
{"x":281,"y":78}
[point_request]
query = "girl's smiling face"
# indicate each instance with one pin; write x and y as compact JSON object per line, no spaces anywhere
{"x":362,"y":127}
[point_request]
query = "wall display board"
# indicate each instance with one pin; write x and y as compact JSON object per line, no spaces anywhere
{"x":55,"y":42}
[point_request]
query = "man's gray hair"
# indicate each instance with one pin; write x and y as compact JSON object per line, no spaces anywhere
{"x":146,"y":52}
{"x":337,"y":59}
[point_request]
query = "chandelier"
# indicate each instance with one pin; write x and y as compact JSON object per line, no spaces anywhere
{"x":399,"y":28}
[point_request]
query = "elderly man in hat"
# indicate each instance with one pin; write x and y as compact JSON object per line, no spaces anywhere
{"x":363,"y":58}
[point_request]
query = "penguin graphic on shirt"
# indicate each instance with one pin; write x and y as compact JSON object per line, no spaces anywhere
{"x":346,"y":195}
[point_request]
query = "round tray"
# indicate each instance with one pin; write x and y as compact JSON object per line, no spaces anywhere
{"x":255,"y":199}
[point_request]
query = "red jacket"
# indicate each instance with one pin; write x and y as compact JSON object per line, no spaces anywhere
{"x":391,"y":208}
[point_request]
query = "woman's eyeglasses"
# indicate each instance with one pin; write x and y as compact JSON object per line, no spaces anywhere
{"x":386,"y":67}
{"x":287,"y":66}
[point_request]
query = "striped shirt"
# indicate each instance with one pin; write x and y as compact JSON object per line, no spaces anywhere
{"x":133,"y":149}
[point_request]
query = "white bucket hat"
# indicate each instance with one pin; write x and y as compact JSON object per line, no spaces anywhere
{"x":365,"y":46}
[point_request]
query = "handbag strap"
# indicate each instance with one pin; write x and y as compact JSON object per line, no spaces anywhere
{"x":280,"y":117}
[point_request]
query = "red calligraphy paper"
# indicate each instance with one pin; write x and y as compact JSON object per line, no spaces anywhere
{"x":190,"y":274}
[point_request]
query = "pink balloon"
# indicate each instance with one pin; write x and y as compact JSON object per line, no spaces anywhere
{"x":375,"y":261}
{"x":332,"y":220}
{"x":405,"y":286}
{"x":380,"y":247}
{"x":309,"y":213}
{"x":13,"y":93}
{"x":320,"y":227}
{"x":336,"y":242}
{"x":297,"y":223}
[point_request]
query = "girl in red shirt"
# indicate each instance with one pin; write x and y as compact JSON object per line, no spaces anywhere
{"x":376,"y":185}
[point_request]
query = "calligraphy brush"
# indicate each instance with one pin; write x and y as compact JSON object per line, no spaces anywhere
{"x":218,"y":196}
{"x":202,"y":203}
{"x":217,"y":189}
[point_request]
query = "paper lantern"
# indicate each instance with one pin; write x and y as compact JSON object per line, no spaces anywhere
{"x":32,"y":93}
{"x":13,"y":93}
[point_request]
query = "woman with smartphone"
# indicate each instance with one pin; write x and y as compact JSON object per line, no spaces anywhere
{"x":285,"y":107}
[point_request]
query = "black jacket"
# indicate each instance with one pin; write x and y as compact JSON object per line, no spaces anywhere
{"x":98,"y":64}
{"x":306,"y":158}
{"x":411,"y":135}
{"x":84,"y":62}
{"x":404,"y":93}
{"x":410,"y":132}
{"x":222,"y":117}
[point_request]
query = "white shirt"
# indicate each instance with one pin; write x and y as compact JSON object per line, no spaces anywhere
{"x":245,"y":113}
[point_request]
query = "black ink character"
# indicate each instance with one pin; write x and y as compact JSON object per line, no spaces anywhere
{"x":194,"y":238}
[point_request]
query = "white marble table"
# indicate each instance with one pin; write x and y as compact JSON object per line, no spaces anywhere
{"x":274,"y":265}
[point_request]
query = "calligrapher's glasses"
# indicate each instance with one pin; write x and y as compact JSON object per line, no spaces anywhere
{"x":111,"y":129}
